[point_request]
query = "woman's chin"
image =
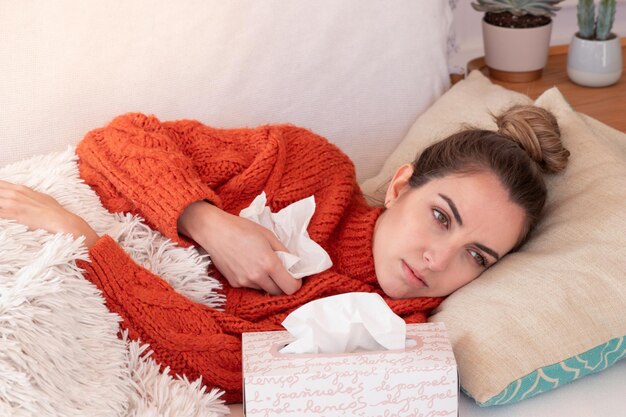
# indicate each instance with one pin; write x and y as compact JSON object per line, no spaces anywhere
{"x":396,"y":290}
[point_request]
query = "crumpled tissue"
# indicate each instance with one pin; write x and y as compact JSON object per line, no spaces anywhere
{"x":345,"y":323}
{"x":305,"y":257}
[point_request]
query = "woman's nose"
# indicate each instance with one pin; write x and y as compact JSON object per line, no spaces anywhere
{"x":438,"y":259}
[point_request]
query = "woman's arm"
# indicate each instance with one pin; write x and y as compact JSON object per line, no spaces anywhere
{"x":243,"y":251}
{"x":40,"y":211}
{"x":138,"y":164}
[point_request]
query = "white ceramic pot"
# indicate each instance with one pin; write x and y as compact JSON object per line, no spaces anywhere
{"x":594,"y":63}
{"x":516,"y":50}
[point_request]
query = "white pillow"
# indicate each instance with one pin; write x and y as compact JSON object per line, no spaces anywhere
{"x":355,"y":71}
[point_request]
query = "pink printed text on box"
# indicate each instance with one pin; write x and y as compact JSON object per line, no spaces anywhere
{"x":418,"y":381}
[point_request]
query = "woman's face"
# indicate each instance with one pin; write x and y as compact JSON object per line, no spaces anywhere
{"x":436,"y":238}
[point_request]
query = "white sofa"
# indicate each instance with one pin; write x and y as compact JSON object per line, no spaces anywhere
{"x":358,"y":72}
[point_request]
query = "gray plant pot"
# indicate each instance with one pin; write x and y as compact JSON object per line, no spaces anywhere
{"x":594,"y":63}
{"x":510,"y":50}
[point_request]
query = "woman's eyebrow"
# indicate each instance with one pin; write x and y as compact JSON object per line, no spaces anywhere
{"x":488,"y":250}
{"x":455,"y":211}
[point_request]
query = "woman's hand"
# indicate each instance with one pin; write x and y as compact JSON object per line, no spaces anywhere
{"x":40,"y":211}
{"x":243,"y":251}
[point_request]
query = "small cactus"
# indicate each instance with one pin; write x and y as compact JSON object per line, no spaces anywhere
{"x":586,"y":18}
{"x":595,"y":27}
{"x":518,"y":7}
{"x":606,"y":16}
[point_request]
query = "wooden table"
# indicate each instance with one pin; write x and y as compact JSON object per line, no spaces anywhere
{"x":607,"y":104}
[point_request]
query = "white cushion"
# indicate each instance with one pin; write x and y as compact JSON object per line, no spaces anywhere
{"x":355,"y":71}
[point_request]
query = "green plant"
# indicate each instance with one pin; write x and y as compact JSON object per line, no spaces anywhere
{"x":518,"y":7}
{"x":597,"y":27}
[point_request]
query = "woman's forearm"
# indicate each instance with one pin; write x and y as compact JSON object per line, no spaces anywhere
{"x":243,"y":251}
{"x":137,"y":165}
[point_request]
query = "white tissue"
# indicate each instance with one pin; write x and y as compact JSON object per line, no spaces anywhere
{"x":345,"y":323}
{"x":305,"y":256}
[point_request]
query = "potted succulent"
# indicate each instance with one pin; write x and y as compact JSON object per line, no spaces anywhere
{"x":594,"y":58}
{"x":516,"y":36}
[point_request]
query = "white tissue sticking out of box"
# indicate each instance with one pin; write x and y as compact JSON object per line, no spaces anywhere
{"x":306,"y":257}
{"x":345,"y":323}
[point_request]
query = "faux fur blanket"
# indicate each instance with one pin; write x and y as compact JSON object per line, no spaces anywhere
{"x":60,"y":354}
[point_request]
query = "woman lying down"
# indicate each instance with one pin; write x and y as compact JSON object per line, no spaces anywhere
{"x":461,"y":206}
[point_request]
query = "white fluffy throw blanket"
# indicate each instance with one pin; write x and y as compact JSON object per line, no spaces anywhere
{"x":60,"y":354}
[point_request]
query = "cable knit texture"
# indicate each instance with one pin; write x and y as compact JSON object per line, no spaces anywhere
{"x":155,"y":169}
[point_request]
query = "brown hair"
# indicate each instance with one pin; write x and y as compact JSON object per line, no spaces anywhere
{"x":526,"y":145}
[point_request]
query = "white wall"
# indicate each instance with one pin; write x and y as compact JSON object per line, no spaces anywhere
{"x":467,"y":25}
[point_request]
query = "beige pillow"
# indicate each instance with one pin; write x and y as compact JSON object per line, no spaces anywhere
{"x":467,"y":102}
{"x":554,"y":311}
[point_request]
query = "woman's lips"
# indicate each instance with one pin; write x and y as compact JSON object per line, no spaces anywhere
{"x":413,"y":278}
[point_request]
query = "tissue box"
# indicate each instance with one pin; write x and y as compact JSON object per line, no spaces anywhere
{"x":420,"y":380}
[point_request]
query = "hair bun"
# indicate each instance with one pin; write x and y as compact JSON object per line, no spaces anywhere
{"x":537,"y":132}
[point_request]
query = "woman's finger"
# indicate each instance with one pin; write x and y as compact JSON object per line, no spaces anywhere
{"x":269,"y":286}
{"x":284,"y":280}
{"x":280,"y":275}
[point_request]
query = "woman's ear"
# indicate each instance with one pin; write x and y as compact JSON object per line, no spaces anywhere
{"x":398,"y":184}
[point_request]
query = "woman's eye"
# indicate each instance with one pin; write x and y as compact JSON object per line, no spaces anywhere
{"x":480,"y":260}
{"x":441,"y":218}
